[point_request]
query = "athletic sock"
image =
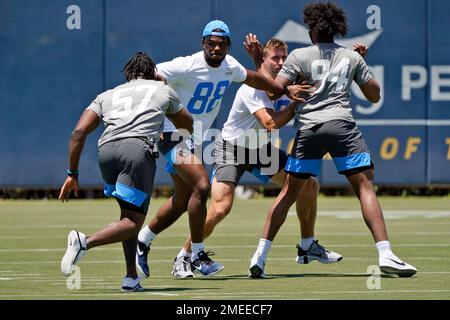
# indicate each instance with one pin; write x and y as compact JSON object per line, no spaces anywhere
{"x":306,"y":243}
{"x":146,"y":236}
{"x":183,"y":253}
{"x":384,"y":248}
{"x":263,"y":248}
{"x":196,"y":248}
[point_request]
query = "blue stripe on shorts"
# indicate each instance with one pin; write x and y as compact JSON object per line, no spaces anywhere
{"x":311,"y":166}
{"x":109,"y":189}
{"x":125,"y":193}
{"x":171,"y":157}
{"x":213,"y":174}
{"x":353,"y":161}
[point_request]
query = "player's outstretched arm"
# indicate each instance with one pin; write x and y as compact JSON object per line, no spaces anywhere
{"x":271,"y":119}
{"x":258,"y":81}
{"x":89,"y":120}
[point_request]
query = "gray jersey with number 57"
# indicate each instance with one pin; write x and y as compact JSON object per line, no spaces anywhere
{"x":135,"y":109}
{"x":331,"y":69}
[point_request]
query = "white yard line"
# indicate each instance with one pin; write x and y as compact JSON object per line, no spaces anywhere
{"x":107,"y":279}
{"x":329,"y":244}
{"x":283,"y":295}
{"x":212,"y":296}
{"x":233,"y":235}
{"x":389,"y":214}
{"x":74,"y":295}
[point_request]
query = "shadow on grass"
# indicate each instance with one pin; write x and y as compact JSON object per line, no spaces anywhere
{"x":166,"y":290}
{"x":148,"y":289}
{"x":296,"y":275}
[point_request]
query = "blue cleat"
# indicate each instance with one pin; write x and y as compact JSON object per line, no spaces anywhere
{"x":141,"y":259}
{"x":131,"y":285}
{"x":205,"y":266}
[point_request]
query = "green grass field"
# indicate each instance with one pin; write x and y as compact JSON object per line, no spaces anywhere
{"x":33,"y":240}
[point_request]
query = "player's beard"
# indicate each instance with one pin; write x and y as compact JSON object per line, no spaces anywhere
{"x":214,"y":61}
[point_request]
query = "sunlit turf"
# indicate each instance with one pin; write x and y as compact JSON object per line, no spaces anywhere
{"x":33,"y":240}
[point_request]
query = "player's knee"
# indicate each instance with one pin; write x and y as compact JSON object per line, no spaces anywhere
{"x":220,"y":212}
{"x":366,"y":185}
{"x":201,"y":188}
{"x":369,"y":173}
{"x":362,"y":185}
{"x":130,"y":225}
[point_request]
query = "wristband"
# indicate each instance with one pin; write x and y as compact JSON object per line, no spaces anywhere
{"x":72,"y":173}
{"x":285,"y":90}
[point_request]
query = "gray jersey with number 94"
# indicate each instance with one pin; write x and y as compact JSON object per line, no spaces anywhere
{"x":331,"y":69}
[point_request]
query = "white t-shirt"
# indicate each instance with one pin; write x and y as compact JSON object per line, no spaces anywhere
{"x":242,"y":128}
{"x":200,"y":87}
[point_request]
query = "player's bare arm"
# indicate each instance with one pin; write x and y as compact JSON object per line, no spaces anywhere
{"x":260,"y":82}
{"x":270,"y":119}
{"x":88,"y":122}
{"x":371,"y":90}
{"x":282,"y":81}
{"x":182,"y":120}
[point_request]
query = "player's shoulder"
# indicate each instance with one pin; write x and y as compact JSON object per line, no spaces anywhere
{"x":108,"y":93}
{"x":197,"y":57}
{"x":348,"y":53}
{"x":248,"y":92}
{"x":302,"y":49}
{"x":302,"y":53}
{"x":136,"y":83}
{"x":231,"y":60}
{"x":245,"y":90}
{"x":185,"y":62}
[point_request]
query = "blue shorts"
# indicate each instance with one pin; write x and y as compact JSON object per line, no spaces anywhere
{"x":342,"y":139}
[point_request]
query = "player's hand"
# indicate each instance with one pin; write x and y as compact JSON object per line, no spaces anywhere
{"x":361,"y":49}
{"x":70,"y":184}
{"x":253,"y":47}
{"x":298,"y":92}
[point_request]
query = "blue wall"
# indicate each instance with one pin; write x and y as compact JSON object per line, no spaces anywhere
{"x":50,"y":73}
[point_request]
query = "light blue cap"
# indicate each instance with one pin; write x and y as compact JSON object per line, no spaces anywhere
{"x":216,"y":24}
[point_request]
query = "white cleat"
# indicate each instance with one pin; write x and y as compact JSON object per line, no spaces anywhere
{"x":76,"y":249}
{"x":317,"y":252}
{"x":256,"y":268}
{"x":391,"y":264}
{"x":181,"y":268}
